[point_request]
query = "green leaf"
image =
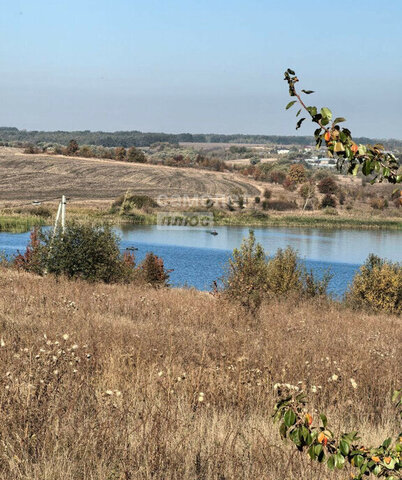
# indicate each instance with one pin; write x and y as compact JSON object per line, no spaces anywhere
{"x":366,"y":169}
{"x":308,"y":92}
{"x":290,"y":104}
{"x":324,"y":420}
{"x":311,"y":452}
{"x":298,"y":113}
{"x":312,"y":111}
{"x":377,"y":470}
{"x":298,"y":125}
{"x":358,"y":460}
{"x":339,"y":120}
{"x":326,"y":113}
{"x":355,"y":169}
{"x":344,"y":447}
{"x":387,"y":442}
{"x":291,"y":71}
{"x":289,"y":418}
{"x":295,"y":436}
{"x":331,"y":462}
{"x":339,"y":460}
{"x":318,"y":449}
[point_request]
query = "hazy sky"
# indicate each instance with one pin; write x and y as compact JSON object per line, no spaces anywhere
{"x":198,"y":65}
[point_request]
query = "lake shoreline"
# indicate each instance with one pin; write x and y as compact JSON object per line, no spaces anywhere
{"x":15,"y":222}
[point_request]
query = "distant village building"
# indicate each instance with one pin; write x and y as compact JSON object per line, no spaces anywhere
{"x":321,"y":162}
{"x":283,"y":151}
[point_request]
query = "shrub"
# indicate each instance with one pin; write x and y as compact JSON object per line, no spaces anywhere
{"x":267,"y":194}
{"x":252,"y":277}
{"x":31,"y":260}
{"x":284,"y":274}
{"x":379,"y":203}
{"x":136,"y":155}
{"x":31,"y":149}
{"x":85,"y":251}
{"x":257,"y":200}
{"x":341,"y":197}
{"x":378,"y":286}
{"x":209,"y":203}
{"x":297,"y":173}
{"x":126,"y":202}
{"x":277,"y":176}
{"x":72,"y":148}
{"x":313,"y":287}
{"x":120,"y":153}
{"x":328,"y":201}
{"x":246,"y":280}
{"x":289,"y":184}
{"x":86,"y":151}
{"x":81,"y":251}
{"x":327,"y":185}
{"x":278,"y":205}
{"x":153,"y":271}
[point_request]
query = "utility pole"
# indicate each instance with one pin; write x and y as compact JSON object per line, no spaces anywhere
{"x":61,"y":212}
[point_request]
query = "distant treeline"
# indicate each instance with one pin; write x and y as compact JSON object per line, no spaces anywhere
{"x":140,"y":139}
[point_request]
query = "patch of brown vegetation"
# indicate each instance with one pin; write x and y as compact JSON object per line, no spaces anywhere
{"x":124,"y":382}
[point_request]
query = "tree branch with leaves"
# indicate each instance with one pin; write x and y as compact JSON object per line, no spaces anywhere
{"x":371,"y":159}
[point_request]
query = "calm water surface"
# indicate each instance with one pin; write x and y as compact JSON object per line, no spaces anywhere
{"x":198,"y":258}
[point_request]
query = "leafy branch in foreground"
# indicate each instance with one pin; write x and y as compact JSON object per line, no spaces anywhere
{"x":372,"y":159}
{"x":322,"y":445}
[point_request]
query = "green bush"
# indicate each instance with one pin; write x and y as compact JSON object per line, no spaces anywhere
{"x":84,"y":251}
{"x":246,"y":281}
{"x":90,"y":253}
{"x":284,"y":273}
{"x":252,"y":277}
{"x":127,"y":202}
{"x":378,"y":286}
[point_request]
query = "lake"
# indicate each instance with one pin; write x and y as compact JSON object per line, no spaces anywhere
{"x":198,"y":258}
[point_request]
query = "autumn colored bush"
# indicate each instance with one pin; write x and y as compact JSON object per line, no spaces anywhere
{"x":153,"y":272}
{"x":31,"y":260}
{"x":289,"y":184}
{"x":378,"y":286}
{"x":297,"y":173}
{"x":327,"y":185}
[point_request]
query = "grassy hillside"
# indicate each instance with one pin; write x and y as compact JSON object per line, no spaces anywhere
{"x":123,"y":382}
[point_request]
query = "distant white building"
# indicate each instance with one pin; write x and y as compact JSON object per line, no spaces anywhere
{"x":283,"y":151}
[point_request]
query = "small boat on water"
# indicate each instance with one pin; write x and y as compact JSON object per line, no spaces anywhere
{"x":213,"y":232}
{"x":131,"y":249}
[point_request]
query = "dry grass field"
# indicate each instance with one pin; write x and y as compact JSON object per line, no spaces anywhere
{"x":105,"y":382}
{"x":30,"y":177}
